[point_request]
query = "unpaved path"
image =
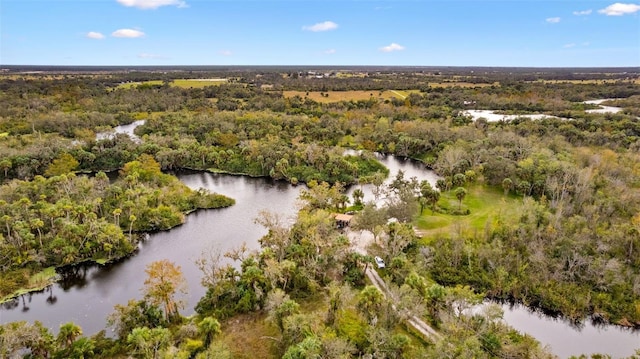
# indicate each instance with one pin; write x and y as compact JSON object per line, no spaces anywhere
{"x":360,"y":240}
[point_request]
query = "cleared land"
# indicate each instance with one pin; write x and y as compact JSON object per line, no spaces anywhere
{"x":197,"y":83}
{"x":485,"y":204}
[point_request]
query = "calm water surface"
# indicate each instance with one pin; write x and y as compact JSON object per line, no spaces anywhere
{"x":90,"y":292}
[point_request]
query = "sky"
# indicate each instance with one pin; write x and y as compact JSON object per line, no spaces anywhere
{"x":519,"y":33}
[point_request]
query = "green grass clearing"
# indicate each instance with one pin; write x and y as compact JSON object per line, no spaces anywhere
{"x":197,"y":83}
{"x":485,"y":204}
{"x":129,"y":85}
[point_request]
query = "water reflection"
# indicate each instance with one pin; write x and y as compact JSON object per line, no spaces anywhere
{"x":566,"y":338}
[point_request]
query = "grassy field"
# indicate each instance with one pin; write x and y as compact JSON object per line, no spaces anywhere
{"x":129,"y":85}
{"x":485,"y":205}
{"x":250,"y":336}
{"x":197,"y":83}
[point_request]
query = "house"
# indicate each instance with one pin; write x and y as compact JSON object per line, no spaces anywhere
{"x":343,"y":220}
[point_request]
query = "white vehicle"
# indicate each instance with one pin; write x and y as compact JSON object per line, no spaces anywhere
{"x":379,"y":262}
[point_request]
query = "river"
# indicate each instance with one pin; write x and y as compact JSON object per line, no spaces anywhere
{"x":88,"y":293}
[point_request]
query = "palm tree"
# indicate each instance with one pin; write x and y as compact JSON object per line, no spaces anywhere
{"x":209,"y":327}
{"x":460,"y":194}
{"x":68,"y":333}
{"x":370,"y":301}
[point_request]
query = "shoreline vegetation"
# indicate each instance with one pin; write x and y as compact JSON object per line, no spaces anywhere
{"x":89,"y":213}
{"x":40,"y":281}
{"x":545,"y":211}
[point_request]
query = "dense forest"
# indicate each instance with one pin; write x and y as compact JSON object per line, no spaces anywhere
{"x":570,"y":246}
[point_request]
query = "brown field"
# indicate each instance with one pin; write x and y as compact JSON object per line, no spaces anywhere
{"x":249,"y":336}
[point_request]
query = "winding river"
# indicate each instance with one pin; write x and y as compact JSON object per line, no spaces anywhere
{"x":88,"y":294}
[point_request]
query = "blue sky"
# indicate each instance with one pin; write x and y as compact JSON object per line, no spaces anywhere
{"x":560,"y":33}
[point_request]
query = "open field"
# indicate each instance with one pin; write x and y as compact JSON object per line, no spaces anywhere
{"x":129,"y":85}
{"x":249,"y":336}
{"x":485,"y":204}
{"x":197,"y":83}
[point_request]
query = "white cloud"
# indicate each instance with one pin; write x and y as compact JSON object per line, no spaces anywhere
{"x":582,"y":13}
{"x":129,"y":33}
{"x":94,"y":35}
{"x":145,"y":55}
{"x":392,"y":47}
{"x":330,"y":51}
{"x":619,"y":9}
{"x":152,"y":4}
{"x":553,"y":20}
{"x":568,"y":46}
{"x":225,"y":52}
{"x":321,"y":26}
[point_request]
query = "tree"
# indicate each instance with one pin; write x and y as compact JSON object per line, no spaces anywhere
{"x":460,"y":193}
{"x":358,"y":195}
{"x":149,"y":342}
{"x":370,"y":301}
{"x":209,"y":327}
{"x":81,"y":348}
{"x":459,"y":179}
{"x":280,"y":306}
{"x":164,"y":280}
{"x":5,"y":165}
{"x":137,"y":313}
{"x":399,"y":237}
{"x":507,"y":185}
{"x":15,"y":337}
{"x":371,"y":219}
{"x":310,"y":347}
{"x":377,"y":180}
{"x":277,"y":238}
{"x":402,"y":202}
{"x":429,"y":196}
{"x":65,"y":163}
{"x":68,"y":334}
